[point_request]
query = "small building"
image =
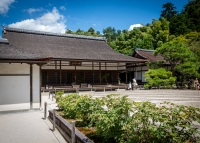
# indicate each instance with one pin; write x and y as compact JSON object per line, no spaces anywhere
{"x":139,"y":69}
{"x":31,"y":59}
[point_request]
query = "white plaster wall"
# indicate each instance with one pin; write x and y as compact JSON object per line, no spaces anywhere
{"x":14,"y":68}
{"x":14,"y":83}
{"x":14,"y":89}
{"x":36,"y":84}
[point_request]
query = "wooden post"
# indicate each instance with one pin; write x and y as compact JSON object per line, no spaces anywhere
{"x":73,"y":132}
{"x":141,"y":72}
{"x":54,"y":120}
{"x":55,"y":64}
{"x":31,"y":86}
{"x":45,"y":110}
{"x":93,"y":72}
{"x":60,"y":74}
{"x":40,"y":85}
{"x":126,"y":76}
{"x":100,"y":72}
{"x":118,"y":73}
{"x":75,"y":74}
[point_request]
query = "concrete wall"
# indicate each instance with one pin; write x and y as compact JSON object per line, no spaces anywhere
{"x":15,"y":83}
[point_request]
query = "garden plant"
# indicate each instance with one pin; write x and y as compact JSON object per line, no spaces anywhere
{"x":118,"y":119}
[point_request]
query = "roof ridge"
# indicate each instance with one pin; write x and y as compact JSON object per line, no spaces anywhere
{"x":147,"y":50}
{"x":3,"y":40}
{"x":54,"y":34}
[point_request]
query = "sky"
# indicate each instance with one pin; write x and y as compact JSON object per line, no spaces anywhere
{"x":59,"y":15}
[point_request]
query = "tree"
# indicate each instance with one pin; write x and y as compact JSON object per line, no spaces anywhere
{"x":192,"y":10}
{"x":180,"y":58}
{"x":80,"y":32}
{"x":187,"y":20}
{"x":179,"y":25}
{"x":110,"y":33}
{"x":169,"y":11}
{"x":69,"y":31}
{"x":91,"y":32}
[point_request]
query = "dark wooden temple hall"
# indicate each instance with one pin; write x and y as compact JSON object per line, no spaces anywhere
{"x":71,"y":59}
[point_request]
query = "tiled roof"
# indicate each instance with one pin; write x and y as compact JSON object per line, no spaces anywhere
{"x":9,"y":52}
{"x":147,"y":55}
{"x":61,"y":46}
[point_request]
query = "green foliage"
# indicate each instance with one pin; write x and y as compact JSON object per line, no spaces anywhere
{"x":79,"y":107}
{"x":159,"y":77}
{"x":169,"y":11}
{"x":90,"y":32}
{"x":59,"y":95}
{"x":167,"y":123}
{"x":109,"y":123}
{"x":186,"y":21}
{"x":146,"y":37}
{"x":180,"y":57}
{"x":118,"y":119}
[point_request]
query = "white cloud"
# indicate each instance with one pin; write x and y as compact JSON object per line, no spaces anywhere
{"x":4,"y":6}
{"x":63,"y":8}
{"x":49,"y":22}
{"x":134,"y":26}
{"x":32,"y":10}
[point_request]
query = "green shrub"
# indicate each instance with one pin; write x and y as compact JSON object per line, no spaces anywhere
{"x":167,"y":123}
{"x":159,"y":77}
{"x":116,"y":119}
{"x":59,"y":95}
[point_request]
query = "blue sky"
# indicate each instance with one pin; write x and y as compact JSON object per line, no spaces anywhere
{"x":59,"y":15}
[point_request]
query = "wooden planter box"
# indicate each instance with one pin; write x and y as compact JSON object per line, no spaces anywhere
{"x":65,"y":129}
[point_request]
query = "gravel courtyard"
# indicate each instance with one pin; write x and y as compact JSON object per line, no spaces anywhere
{"x":182,"y":97}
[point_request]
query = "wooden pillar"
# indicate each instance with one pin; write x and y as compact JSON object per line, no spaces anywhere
{"x":31,"y":86}
{"x":84,"y":76}
{"x":133,"y":72}
{"x":75,"y":74}
{"x":93,"y":72}
{"x":100,"y":72}
{"x":60,"y":74}
{"x":55,"y":64}
{"x":47,"y":83}
{"x":118,"y":73}
{"x":141,"y":72}
{"x":126,"y":76}
{"x":40,"y":85}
